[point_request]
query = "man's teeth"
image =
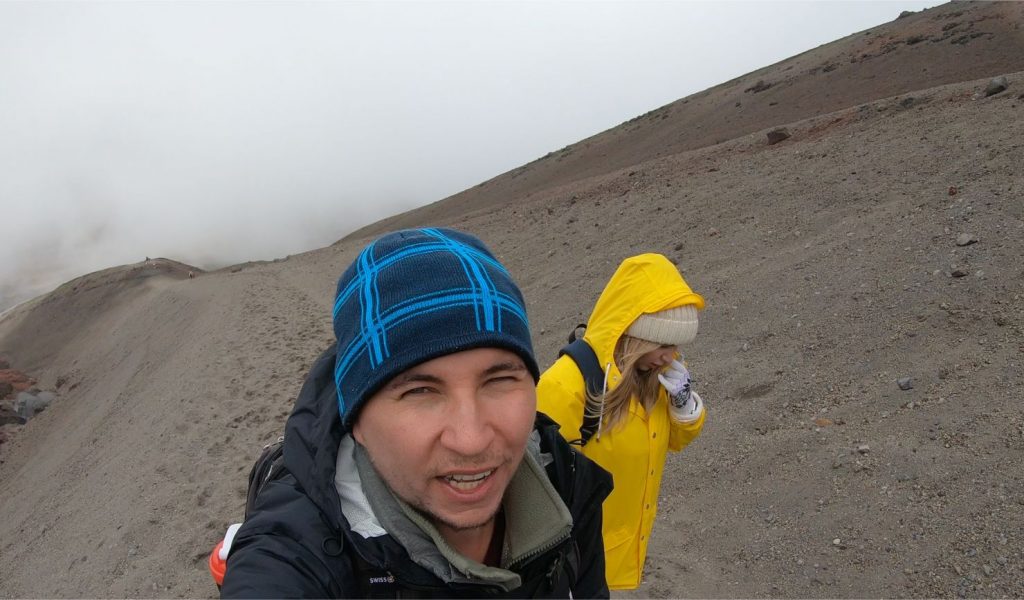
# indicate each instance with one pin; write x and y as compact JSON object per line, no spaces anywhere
{"x":467,"y":482}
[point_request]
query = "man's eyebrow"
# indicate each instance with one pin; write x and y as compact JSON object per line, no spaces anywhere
{"x":405,"y":378}
{"x":504,"y":366}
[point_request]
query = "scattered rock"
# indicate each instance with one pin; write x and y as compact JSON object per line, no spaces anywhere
{"x":998,"y":84}
{"x":966,"y":239}
{"x":28,"y":405}
{"x":712,"y":232}
{"x":905,"y":383}
{"x":8,"y":416}
{"x":863,"y":449}
{"x":823,"y":422}
{"x":17,"y":379}
{"x":906,"y":13}
{"x":907,"y":102}
{"x":952,"y":190}
{"x":760,"y":86}
{"x":777,"y":135}
{"x":958,"y":272}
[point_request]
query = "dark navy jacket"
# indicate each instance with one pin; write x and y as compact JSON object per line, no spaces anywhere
{"x":297,"y":542}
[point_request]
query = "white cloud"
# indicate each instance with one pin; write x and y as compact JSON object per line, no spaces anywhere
{"x":222,"y":132}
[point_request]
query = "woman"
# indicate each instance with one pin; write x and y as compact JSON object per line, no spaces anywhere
{"x":647,"y":408}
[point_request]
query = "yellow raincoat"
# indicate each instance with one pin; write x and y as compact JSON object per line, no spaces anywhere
{"x":633,"y":451}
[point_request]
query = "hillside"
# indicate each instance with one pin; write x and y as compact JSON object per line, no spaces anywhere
{"x":959,"y":41}
{"x":881,"y":241}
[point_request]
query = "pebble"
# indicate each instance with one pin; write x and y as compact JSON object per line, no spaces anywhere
{"x":863,"y":449}
{"x":966,"y":239}
{"x":959,"y":272}
{"x":905,"y":383}
{"x":996,"y":85}
{"x":836,"y":541}
{"x":987,"y":569}
{"x":777,"y":135}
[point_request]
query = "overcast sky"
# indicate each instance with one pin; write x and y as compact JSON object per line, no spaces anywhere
{"x":219,"y":132}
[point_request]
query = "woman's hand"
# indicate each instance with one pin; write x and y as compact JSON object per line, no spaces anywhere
{"x":686,"y":405}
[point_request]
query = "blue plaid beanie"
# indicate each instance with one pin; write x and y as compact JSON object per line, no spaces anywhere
{"x":415,"y":295}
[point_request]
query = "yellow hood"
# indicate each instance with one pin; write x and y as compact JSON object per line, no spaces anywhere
{"x":646,"y":283}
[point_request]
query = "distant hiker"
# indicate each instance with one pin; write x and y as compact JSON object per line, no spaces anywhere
{"x":417,"y":463}
{"x":643,"y":405}
{"x":191,"y":275}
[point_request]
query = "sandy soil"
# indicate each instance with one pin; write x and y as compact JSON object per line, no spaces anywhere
{"x":831,"y":268}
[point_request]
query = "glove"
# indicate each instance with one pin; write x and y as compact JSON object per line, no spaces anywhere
{"x":686,"y":405}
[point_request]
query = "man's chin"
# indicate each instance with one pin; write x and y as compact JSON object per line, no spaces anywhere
{"x":462,"y":524}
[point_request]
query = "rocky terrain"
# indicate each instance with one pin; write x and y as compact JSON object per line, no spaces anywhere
{"x":860,"y":354}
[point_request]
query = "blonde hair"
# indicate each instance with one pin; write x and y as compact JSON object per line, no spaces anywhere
{"x":613,"y":406}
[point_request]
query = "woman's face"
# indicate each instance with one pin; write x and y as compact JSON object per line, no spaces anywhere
{"x":656,"y":359}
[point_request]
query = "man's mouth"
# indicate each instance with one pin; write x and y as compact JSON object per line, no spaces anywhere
{"x":468,"y":481}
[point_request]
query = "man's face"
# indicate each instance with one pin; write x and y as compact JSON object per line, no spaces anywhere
{"x":448,"y":434}
{"x":656,"y":359}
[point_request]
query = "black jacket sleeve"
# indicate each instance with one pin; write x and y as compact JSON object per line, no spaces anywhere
{"x":285,"y":550}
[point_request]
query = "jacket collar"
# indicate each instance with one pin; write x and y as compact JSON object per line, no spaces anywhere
{"x":536,"y":518}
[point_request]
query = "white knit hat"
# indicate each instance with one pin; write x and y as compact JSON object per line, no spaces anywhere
{"x":674,"y":326}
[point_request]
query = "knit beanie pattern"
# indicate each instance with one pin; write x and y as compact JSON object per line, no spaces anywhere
{"x":673,"y":326}
{"x":419,"y":294}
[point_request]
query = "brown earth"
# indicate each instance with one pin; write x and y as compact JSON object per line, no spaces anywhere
{"x":831,"y":266}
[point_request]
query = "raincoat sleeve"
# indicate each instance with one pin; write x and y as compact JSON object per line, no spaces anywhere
{"x":681,"y":434}
{"x":560,"y":395}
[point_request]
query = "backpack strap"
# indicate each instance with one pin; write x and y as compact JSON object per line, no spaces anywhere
{"x":268,"y":467}
{"x":593,"y":376}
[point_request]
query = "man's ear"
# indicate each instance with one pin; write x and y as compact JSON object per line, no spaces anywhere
{"x":357,"y":433}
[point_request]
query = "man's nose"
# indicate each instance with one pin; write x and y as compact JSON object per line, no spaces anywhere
{"x":470,"y":430}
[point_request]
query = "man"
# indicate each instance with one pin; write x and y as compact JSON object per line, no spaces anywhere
{"x":418,"y":464}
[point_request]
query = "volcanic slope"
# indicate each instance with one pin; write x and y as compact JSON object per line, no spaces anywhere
{"x":881,"y":241}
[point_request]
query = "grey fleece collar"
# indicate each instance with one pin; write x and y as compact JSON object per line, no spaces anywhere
{"x":536,"y":519}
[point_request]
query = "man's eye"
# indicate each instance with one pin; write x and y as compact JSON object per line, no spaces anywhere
{"x":417,"y":391}
{"x":503,"y":379}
